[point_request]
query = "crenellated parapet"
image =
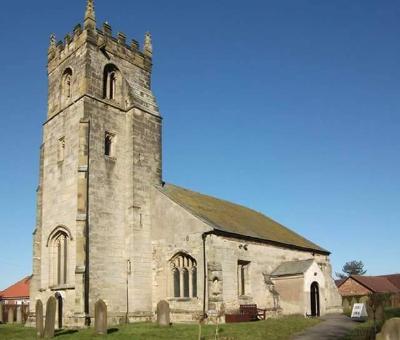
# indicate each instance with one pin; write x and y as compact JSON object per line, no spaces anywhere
{"x":103,"y":39}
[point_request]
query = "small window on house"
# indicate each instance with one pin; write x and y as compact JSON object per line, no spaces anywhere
{"x":184,"y":275}
{"x":242,"y":273}
{"x":109,"y":144}
{"x":61,"y":149}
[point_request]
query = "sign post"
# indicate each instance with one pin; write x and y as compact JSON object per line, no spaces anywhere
{"x":359,"y":312}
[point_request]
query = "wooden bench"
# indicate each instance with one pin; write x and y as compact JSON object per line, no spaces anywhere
{"x":246,"y":313}
{"x":253,"y":312}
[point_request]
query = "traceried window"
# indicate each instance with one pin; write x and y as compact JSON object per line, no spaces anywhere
{"x":184,"y":276}
{"x":59,"y":245}
{"x":111,"y":82}
{"x":242,"y":277}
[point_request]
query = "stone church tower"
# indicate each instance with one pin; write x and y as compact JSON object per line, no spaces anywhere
{"x":100,"y":155}
{"x":109,"y":228}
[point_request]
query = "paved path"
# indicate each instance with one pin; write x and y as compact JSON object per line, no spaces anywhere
{"x":334,"y":326}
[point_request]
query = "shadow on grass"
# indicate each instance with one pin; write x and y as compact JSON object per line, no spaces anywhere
{"x":65,"y":332}
{"x":112,"y":330}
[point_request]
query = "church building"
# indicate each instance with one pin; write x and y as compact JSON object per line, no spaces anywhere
{"x":109,"y":228}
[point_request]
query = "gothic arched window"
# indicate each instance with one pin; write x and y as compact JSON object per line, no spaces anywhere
{"x":59,"y":252}
{"x":184,"y":275}
{"x":111,"y":82}
{"x":66,"y":86}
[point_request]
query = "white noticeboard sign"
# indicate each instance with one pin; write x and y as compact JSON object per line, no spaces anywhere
{"x":359,"y":311}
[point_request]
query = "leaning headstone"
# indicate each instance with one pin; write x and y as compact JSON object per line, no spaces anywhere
{"x":100,"y":317}
{"x":390,"y":330}
{"x":39,"y":318}
{"x":163,"y":313}
{"x":10,"y":315}
{"x":19,"y":314}
{"x":50,"y":317}
{"x":1,"y":313}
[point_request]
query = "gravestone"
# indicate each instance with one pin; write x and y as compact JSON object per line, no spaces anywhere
{"x":19,"y":314}
{"x":379,"y":313}
{"x":10,"y":315}
{"x":50,"y":317}
{"x":390,"y":330}
{"x":39,"y":318}
{"x":100,"y":317}
{"x":1,"y":312}
{"x":163,"y":313}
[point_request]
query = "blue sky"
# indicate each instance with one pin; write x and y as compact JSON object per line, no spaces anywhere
{"x":288,"y":107}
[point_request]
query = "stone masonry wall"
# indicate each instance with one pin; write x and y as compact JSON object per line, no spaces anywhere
{"x":175,"y":229}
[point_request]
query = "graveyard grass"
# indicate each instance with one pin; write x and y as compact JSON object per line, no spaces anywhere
{"x":272,"y":329}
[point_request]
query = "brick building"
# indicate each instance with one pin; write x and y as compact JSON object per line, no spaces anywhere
{"x":16,"y":294}
{"x":357,"y":288}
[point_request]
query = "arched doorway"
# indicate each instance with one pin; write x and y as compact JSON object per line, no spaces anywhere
{"x":314,"y":299}
{"x":59,"y":309}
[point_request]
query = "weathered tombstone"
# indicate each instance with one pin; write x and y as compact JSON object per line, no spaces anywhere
{"x":39,"y":318}
{"x":378,"y":314}
{"x":100,"y":317}
{"x":50,"y":317}
{"x":19,"y":314}
{"x":1,"y":313}
{"x":163,"y":313}
{"x":390,"y":330}
{"x":346,"y":304}
{"x":10,"y":315}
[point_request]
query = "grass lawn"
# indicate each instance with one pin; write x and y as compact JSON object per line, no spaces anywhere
{"x":272,"y":329}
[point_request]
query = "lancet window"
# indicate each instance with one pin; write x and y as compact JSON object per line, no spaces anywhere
{"x":59,"y":245}
{"x":66,"y":86}
{"x":111,"y":82}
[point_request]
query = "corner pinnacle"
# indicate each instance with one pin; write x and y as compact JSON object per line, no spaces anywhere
{"x":148,"y":45}
{"x":90,"y":18}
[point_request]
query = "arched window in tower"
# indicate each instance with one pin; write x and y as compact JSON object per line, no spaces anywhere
{"x":59,"y":244}
{"x":111,"y":82}
{"x":66,"y":86}
{"x":184,"y":276}
{"x":109,"y":144}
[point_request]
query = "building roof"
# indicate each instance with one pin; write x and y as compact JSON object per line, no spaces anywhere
{"x":17,"y":290}
{"x":237,"y":220}
{"x":377,"y":284}
{"x":339,"y":282}
{"x":394,"y":279}
{"x":292,"y":268}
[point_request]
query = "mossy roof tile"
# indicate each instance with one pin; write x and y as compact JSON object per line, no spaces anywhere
{"x":235,"y":219}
